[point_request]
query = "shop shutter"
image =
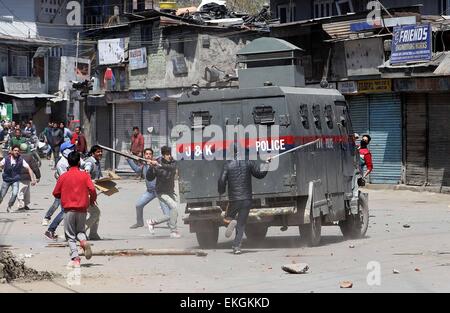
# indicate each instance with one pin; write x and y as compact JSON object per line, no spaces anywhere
{"x":155,"y":116}
{"x":439,"y":140}
{"x":416,"y":139}
{"x":359,"y":113}
{"x":126,"y":117}
{"x":385,"y":128}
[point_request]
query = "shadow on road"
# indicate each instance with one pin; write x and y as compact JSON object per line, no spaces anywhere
{"x":278,"y":242}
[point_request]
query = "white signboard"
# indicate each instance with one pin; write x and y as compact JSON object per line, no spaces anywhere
{"x":111,"y":51}
{"x":348,"y":87}
{"x":138,"y":58}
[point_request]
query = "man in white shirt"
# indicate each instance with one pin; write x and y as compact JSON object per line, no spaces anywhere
{"x":12,"y":167}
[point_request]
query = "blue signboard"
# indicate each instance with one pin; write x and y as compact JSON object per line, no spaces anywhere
{"x":411,"y":43}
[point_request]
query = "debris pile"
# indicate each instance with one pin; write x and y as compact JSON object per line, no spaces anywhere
{"x":216,"y":13}
{"x":14,"y":269}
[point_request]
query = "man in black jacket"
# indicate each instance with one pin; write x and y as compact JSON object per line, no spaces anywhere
{"x":25,"y":180}
{"x":238,"y":174}
{"x":165,"y":171}
{"x":56,"y":139}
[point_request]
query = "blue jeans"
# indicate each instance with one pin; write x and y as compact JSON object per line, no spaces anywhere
{"x":52,"y":209}
{"x":56,"y":221}
{"x":15,"y":192}
{"x":145,"y":199}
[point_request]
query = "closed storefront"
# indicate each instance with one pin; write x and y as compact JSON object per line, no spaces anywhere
{"x":428,"y":139}
{"x":154,"y":119}
{"x":439,"y":139}
{"x":379,"y":115}
{"x":416,"y":139}
{"x":126,"y":116}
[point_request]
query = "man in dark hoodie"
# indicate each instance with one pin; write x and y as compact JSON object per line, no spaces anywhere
{"x":238,"y":174}
{"x":24,"y":195}
{"x":164,"y":173}
{"x":56,"y":139}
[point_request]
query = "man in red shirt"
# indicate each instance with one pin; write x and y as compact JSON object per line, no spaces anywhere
{"x":77,"y":193}
{"x":137,"y":142}
{"x":80,"y":141}
{"x":365,"y":157}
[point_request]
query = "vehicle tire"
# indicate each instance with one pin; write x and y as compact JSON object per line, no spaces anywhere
{"x":311,"y":233}
{"x":256,"y":232}
{"x":355,"y":226}
{"x":207,"y":239}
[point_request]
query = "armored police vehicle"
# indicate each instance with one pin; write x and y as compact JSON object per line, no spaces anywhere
{"x":309,"y":188}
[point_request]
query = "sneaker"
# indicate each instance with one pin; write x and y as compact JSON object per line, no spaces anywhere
{"x":26,"y":208}
{"x":136,"y":226}
{"x":237,"y":250}
{"x":45,"y":222}
{"x":175,"y":235}
{"x":75,"y":263}
{"x":151,"y":226}
{"x":230,"y":228}
{"x":8,"y":209}
{"x":51,"y":235}
{"x":87,"y":249}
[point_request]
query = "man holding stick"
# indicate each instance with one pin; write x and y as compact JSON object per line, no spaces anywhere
{"x":150,"y":193}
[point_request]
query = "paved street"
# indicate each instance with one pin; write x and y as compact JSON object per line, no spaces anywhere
{"x":420,"y":253}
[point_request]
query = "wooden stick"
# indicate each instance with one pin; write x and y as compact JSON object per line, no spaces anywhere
{"x":129,"y":156}
{"x":296,"y":148}
{"x":142,"y":252}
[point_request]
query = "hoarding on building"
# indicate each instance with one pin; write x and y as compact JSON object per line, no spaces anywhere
{"x":111,"y":51}
{"x":374,"y":86}
{"x":138,"y":58}
{"x":13,"y":84}
{"x":411,"y":43}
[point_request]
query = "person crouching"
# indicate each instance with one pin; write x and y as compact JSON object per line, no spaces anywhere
{"x":77,"y":193}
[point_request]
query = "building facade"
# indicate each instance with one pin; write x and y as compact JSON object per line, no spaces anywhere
{"x":298,"y":10}
{"x":402,"y":104}
{"x":160,"y":57}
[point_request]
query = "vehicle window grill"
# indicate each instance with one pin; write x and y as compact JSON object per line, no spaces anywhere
{"x":200,"y":119}
{"x":264,"y":115}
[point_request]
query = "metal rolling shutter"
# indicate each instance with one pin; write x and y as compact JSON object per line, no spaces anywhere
{"x":439,"y":140}
{"x":126,"y":117}
{"x":416,"y":139}
{"x":359,"y":113}
{"x":385,"y":128}
{"x":155,"y":115}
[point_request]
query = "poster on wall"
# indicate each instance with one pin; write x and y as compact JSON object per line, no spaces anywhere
{"x":411,"y":43}
{"x":138,"y":58}
{"x":6,"y":111}
{"x":111,"y":51}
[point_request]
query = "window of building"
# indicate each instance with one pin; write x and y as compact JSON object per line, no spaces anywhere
{"x":444,"y":6}
{"x":56,"y":52}
{"x":19,"y":66}
{"x":146,"y":34}
{"x":344,"y":7}
{"x":323,"y":8}
{"x":287,"y":13}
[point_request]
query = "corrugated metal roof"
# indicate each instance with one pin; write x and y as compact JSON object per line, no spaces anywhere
{"x":341,"y":30}
{"x":267,"y":45}
{"x":28,"y":95}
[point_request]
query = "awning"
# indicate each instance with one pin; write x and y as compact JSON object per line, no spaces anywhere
{"x":28,"y":95}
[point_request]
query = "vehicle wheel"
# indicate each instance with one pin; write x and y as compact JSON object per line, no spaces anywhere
{"x":208,"y":238}
{"x":355,"y":226}
{"x":256,"y":232}
{"x":311,"y":233}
